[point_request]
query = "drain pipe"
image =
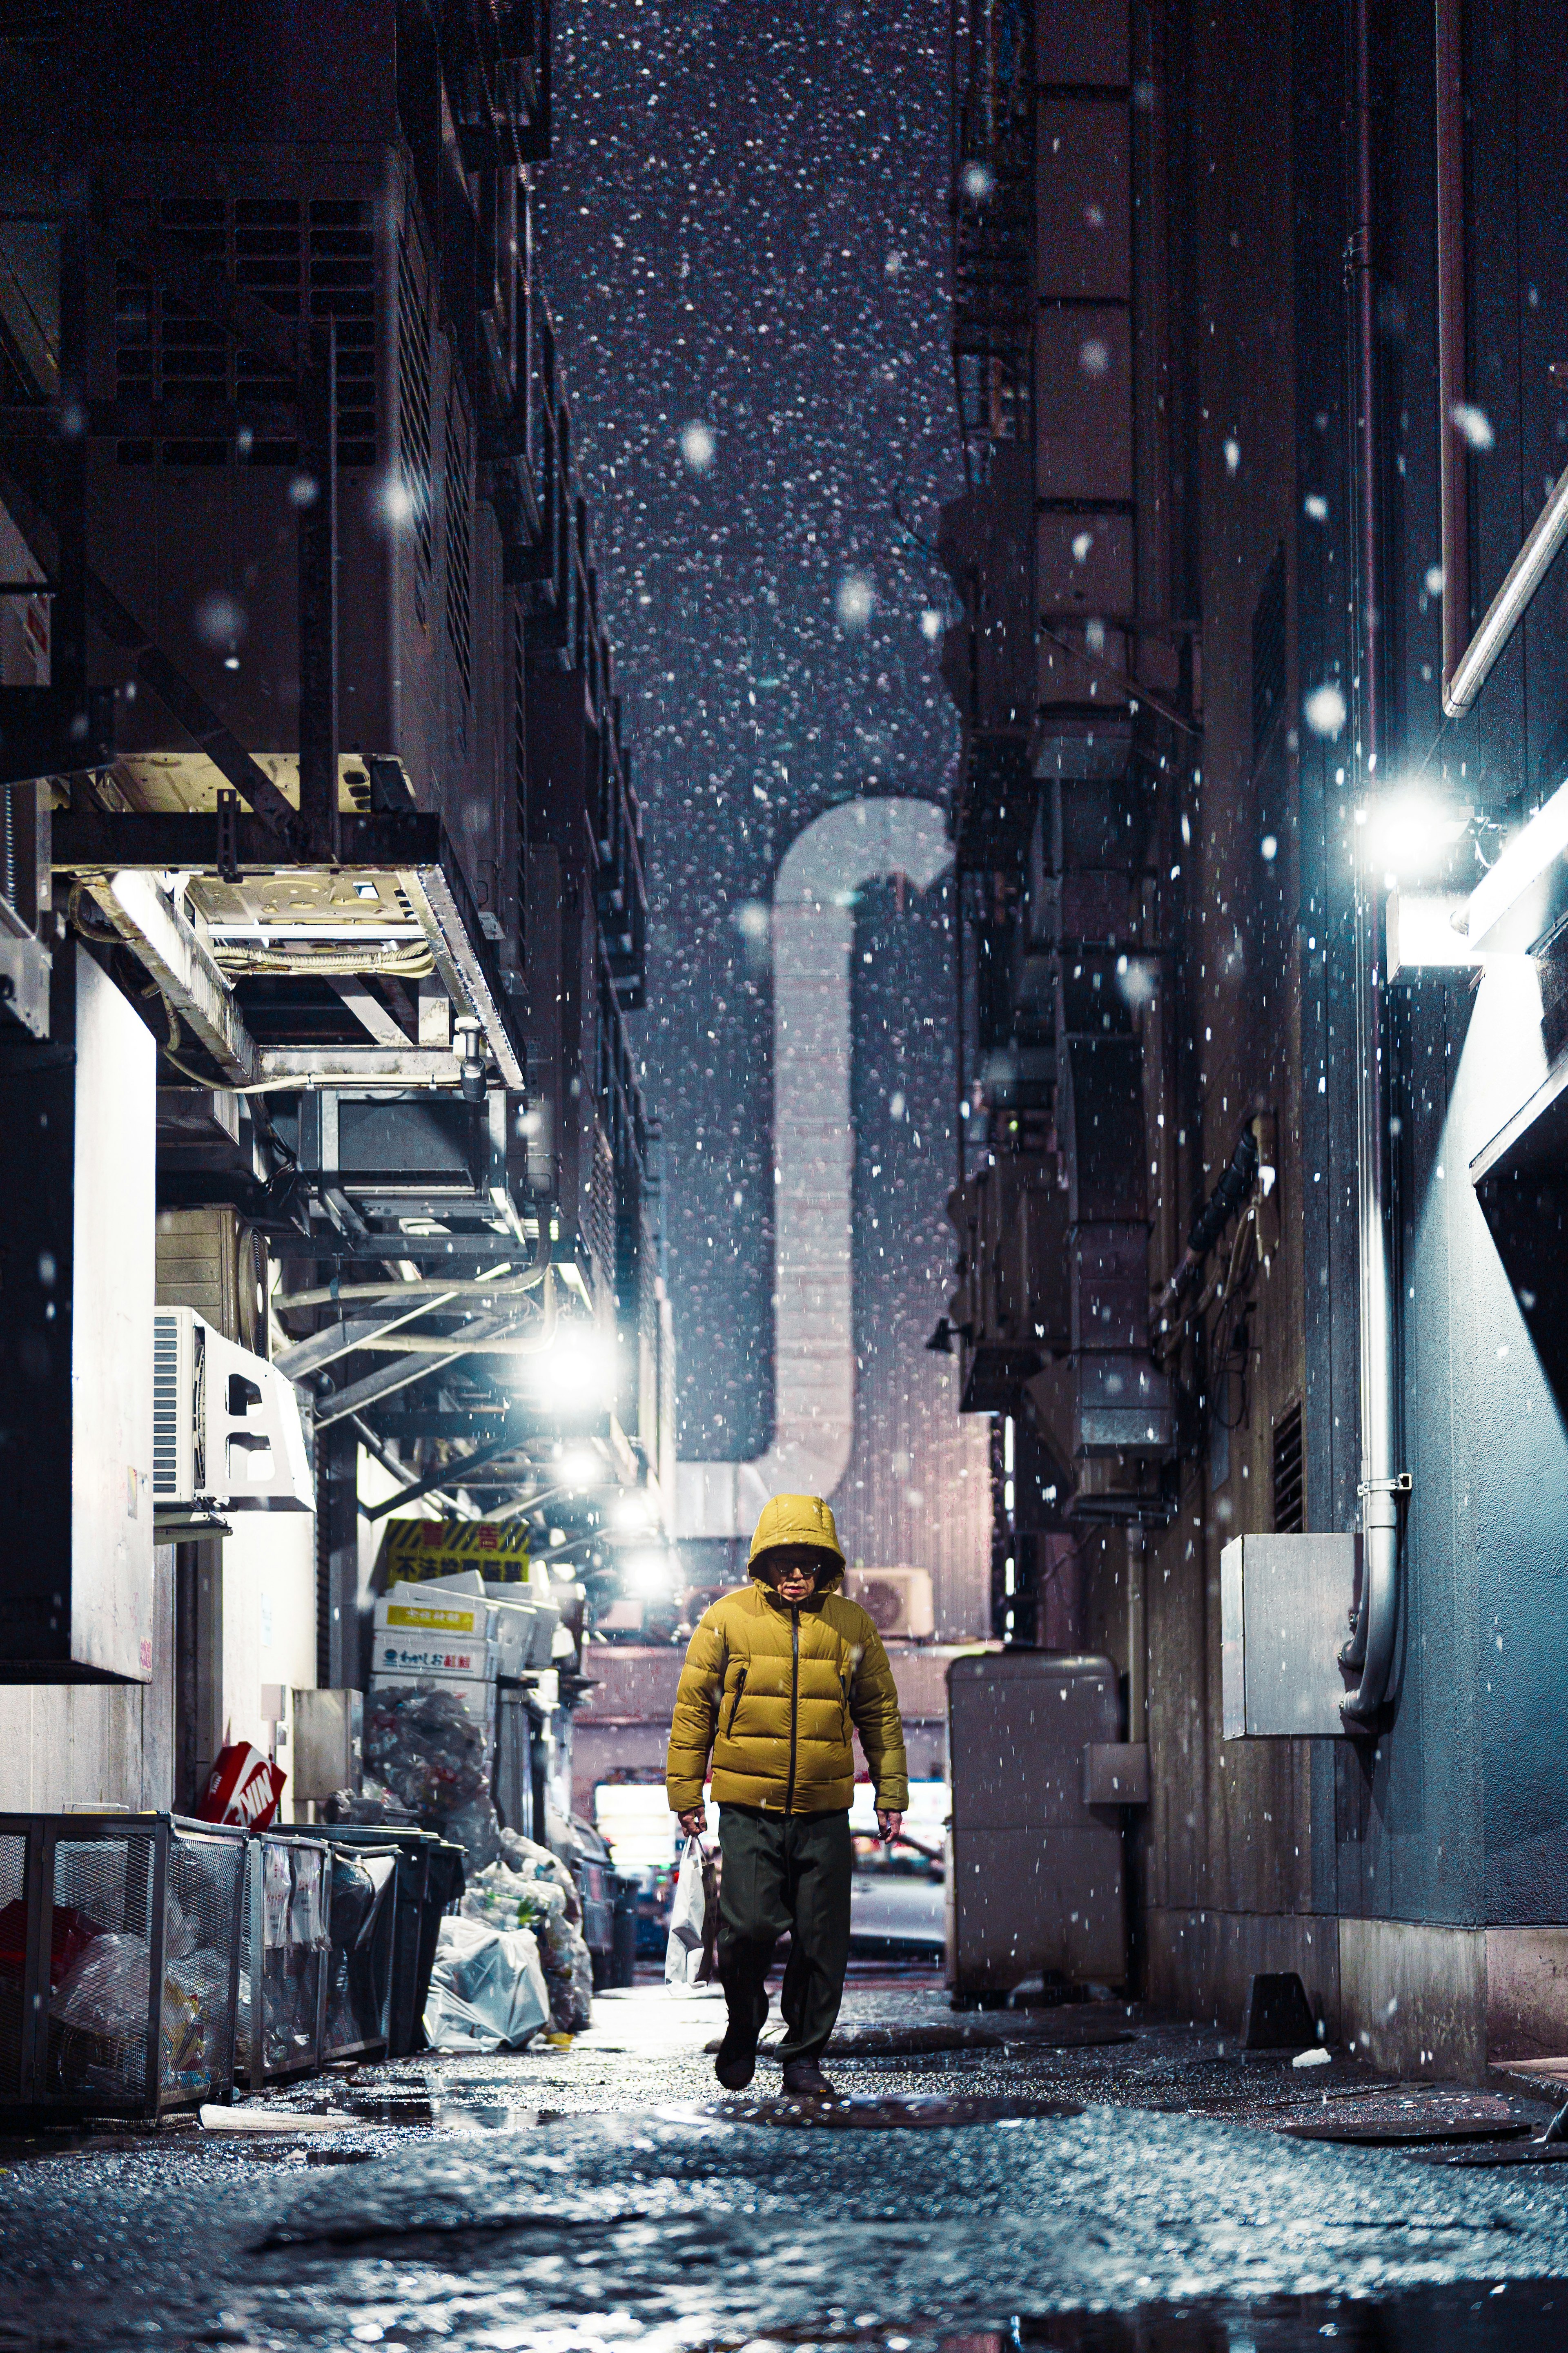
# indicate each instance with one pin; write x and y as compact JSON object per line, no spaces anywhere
{"x":1370,"y":1650}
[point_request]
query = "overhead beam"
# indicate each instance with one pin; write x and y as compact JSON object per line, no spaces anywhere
{"x":356,"y":1066}
{"x":161,"y":937}
{"x":451,"y":1474}
{"x":336,"y":1340}
{"x":399,"y":1376}
{"x":459,"y":962}
{"x":369,"y":1010}
{"x":188,"y":842}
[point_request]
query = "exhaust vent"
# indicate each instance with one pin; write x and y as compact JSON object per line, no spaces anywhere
{"x":1289,"y":1485}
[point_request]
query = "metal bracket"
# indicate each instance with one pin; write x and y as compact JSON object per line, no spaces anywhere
{"x":228,"y":836}
{"x":1398,"y":1485}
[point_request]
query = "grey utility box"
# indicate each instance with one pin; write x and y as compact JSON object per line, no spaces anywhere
{"x":1285,"y":1615}
{"x":329,"y":1742}
{"x":1035,"y":1878}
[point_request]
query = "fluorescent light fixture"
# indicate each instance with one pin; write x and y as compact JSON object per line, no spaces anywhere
{"x":1422,"y":933}
{"x":1520,"y":874}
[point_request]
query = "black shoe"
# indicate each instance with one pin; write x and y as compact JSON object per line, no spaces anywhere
{"x":804,"y":2080}
{"x":737,"y":2060}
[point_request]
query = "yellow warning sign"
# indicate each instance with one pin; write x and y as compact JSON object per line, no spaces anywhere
{"x":415,"y":1549}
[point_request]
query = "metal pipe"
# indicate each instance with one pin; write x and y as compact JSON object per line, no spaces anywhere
{"x":489,"y":1286}
{"x":1508,"y":607}
{"x":1371,"y":1646}
{"x":1453,"y":478}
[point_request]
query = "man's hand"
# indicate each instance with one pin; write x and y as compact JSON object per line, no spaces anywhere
{"x":693,"y":1821}
{"x":889,"y":1824}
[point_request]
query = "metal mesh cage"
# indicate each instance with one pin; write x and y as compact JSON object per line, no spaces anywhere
{"x":202,"y":1909}
{"x":12,"y":1960}
{"x":119,"y":1948}
{"x":283,"y":1957}
{"x":99,"y":2008}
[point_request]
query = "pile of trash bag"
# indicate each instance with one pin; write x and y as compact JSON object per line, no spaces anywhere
{"x":528,"y":1887}
{"x":488,"y":1990}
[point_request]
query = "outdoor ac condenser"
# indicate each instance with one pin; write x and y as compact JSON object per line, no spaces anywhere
{"x":225,"y":1423}
{"x":898,"y":1601}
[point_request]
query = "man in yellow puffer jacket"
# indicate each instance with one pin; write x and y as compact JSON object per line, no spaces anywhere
{"x":776,"y":1676}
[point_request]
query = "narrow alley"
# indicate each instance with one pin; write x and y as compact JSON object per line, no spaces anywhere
{"x":784,"y":1164}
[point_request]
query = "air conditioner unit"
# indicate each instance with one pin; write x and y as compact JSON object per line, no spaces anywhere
{"x":898,"y":1601}
{"x":225,"y":1424}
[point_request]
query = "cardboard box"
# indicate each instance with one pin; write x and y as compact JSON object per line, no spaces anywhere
{"x":411,"y":1609}
{"x":411,"y":1652}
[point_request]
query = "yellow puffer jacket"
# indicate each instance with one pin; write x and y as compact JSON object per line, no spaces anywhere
{"x":774,"y":1690}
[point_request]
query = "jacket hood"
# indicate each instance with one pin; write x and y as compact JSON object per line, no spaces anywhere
{"x":798,"y":1520}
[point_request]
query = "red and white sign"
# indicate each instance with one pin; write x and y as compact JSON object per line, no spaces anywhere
{"x":243,"y":1786}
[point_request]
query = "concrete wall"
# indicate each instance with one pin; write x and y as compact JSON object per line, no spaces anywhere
{"x":1416,"y":1880}
{"x":88,"y":1743}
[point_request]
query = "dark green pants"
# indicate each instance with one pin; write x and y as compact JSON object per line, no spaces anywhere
{"x":787,"y":1874}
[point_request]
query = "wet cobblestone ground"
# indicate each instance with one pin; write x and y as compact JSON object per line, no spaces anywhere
{"x":565,"y":2200}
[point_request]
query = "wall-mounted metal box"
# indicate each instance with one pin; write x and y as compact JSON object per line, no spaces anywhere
{"x":1285,"y":1615}
{"x":329,"y":1741}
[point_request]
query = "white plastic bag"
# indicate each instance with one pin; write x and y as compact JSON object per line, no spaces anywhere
{"x":487,"y":1989}
{"x":687,"y":1920}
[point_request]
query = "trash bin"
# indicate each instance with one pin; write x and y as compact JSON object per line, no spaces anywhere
{"x":360,"y":1924}
{"x":416,"y":1858}
{"x":118,"y":1962}
{"x":284,"y":1947}
{"x":621,"y":1967}
{"x":446,"y":1877}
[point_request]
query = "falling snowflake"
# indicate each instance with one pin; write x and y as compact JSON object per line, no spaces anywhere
{"x":854,"y":602}
{"x":1324,"y":708}
{"x":697,"y":445}
{"x":1474,"y":424}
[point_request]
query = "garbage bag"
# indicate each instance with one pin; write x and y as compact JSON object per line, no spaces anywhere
{"x":512,"y":1899}
{"x":487,"y":1989}
{"x":106,"y":1992}
{"x":537,"y":1862}
{"x":687,"y":1919}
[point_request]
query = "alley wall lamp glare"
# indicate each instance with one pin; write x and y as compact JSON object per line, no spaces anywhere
{"x":1507,"y":608}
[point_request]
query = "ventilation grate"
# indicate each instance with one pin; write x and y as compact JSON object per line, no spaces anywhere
{"x":1269,"y":653}
{"x":1289,"y":1481}
{"x":315,"y":260}
{"x":460,"y":591}
{"x":165,"y":1405}
{"x":414,"y":399}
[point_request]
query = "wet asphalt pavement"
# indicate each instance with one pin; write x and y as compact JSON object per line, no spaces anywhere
{"x":1140,"y":2187}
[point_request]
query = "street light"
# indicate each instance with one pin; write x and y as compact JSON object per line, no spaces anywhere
{"x":648,"y":1573}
